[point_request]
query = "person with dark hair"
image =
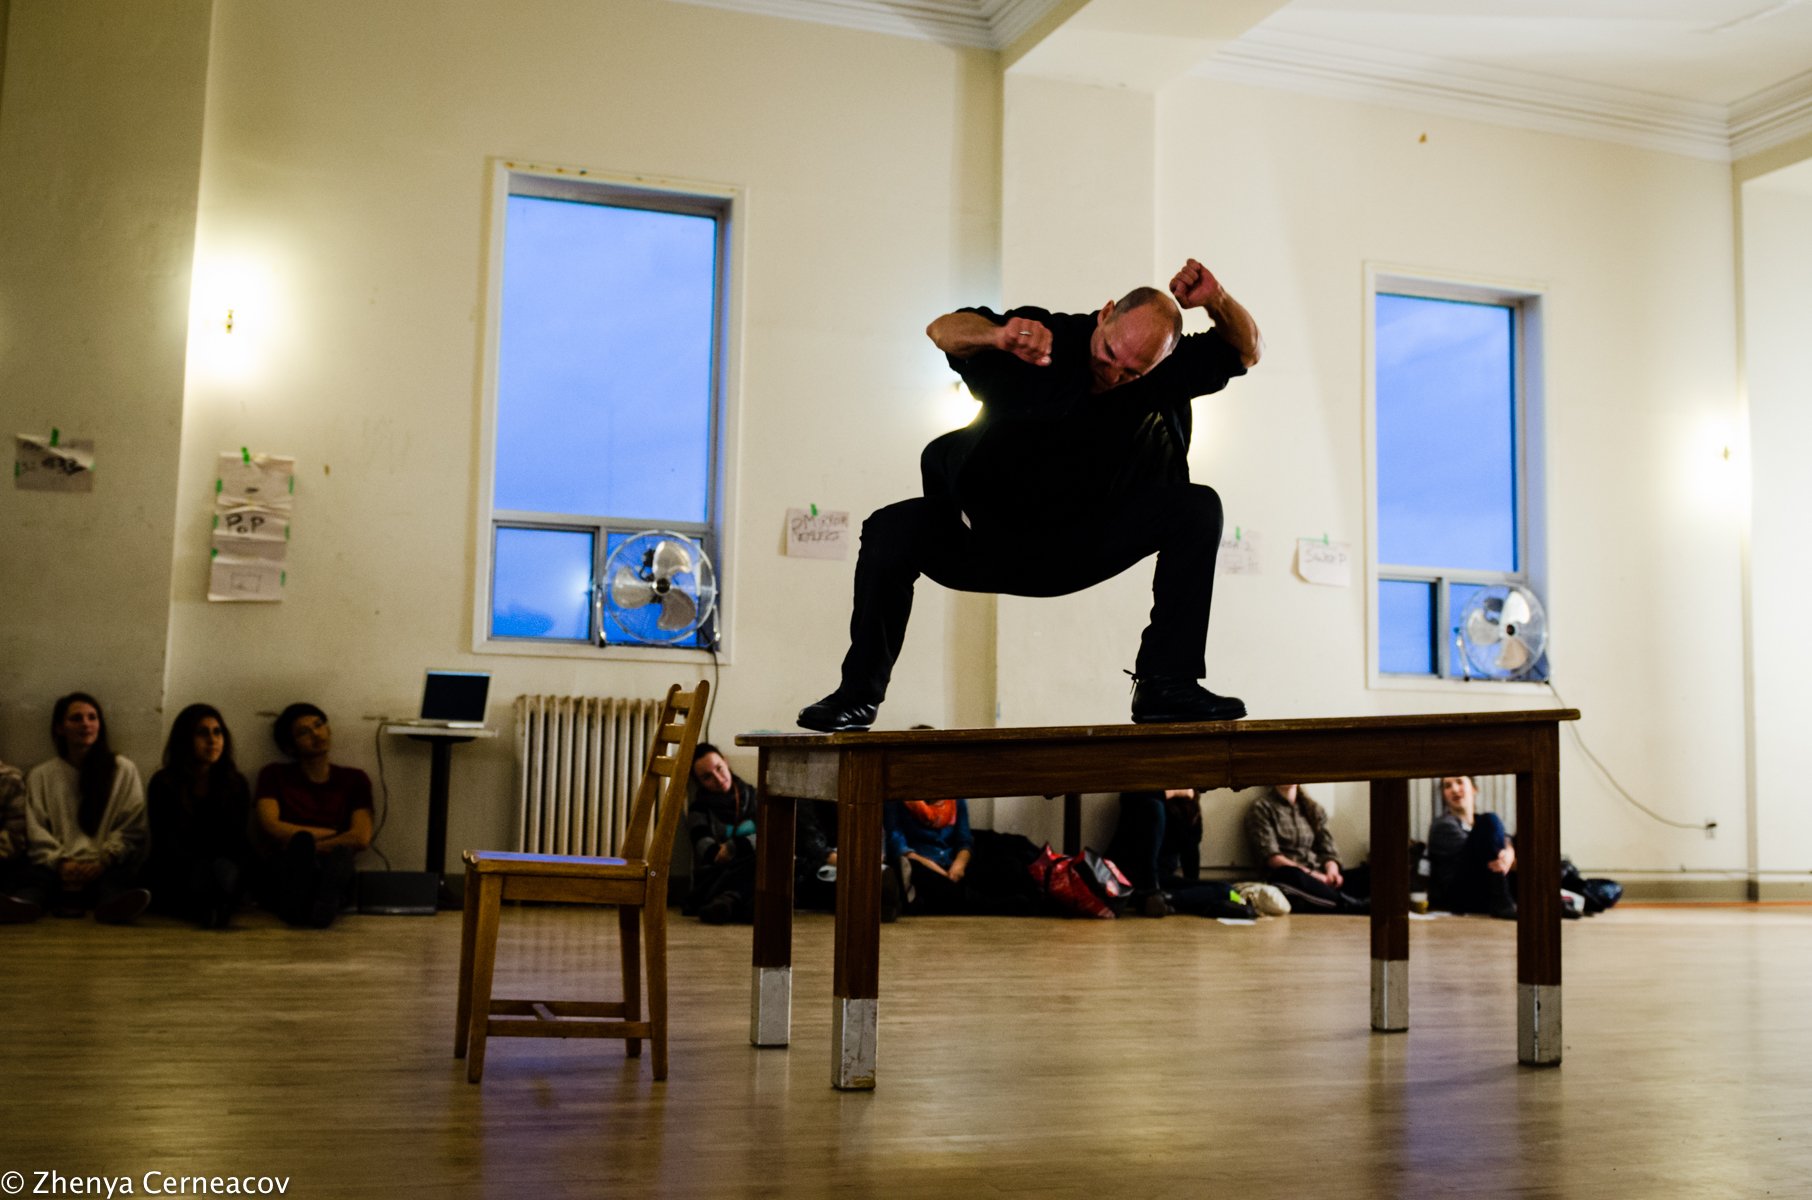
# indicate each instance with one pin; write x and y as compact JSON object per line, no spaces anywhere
{"x":1075,"y":470}
{"x":1470,"y":856}
{"x":200,"y":818}
{"x":1289,"y":837}
{"x":15,"y":857}
{"x":85,"y":820}
{"x":314,"y":816}
{"x":720,"y":820}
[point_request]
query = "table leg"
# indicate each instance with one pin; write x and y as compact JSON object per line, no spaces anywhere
{"x":1072,"y":822}
{"x":856,"y":994}
{"x":1390,"y":905}
{"x":1538,"y":1026}
{"x":440,"y":772}
{"x":771,"y":982}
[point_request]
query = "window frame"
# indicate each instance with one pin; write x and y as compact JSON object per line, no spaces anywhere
{"x":726,"y":204}
{"x":1527,"y":300}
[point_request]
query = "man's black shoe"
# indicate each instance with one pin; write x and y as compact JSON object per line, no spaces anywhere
{"x":838,"y":714}
{"x":1168,"y":700}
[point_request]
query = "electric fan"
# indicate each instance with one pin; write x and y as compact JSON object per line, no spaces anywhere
{"x":1501,"y":633}
{"x":657,"y":589}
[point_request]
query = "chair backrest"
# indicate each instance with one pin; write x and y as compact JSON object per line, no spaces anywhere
{"x":660,"y":799}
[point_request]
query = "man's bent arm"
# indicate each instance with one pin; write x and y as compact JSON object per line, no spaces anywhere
{"x":1237,"y":326}
{"x":966,"y":334}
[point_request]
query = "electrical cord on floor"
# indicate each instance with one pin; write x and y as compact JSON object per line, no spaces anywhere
{"x":1573,"y":728}
{"x":384,"y":785}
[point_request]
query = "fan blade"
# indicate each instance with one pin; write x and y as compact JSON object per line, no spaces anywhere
{"x":678,"y":610}
{"x":629,"y":590}
{"x":1482,"y":628}
{"x":670,"y":559}
{"x":1516,"y":609}
{"x":1513,"y":655}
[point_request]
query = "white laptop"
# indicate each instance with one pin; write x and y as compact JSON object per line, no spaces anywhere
{"x":453,"y":700}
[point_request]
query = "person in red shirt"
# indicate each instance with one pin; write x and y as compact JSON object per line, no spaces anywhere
{"x":314,"y":816}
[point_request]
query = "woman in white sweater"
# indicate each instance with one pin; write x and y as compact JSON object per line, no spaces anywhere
{"x":85,"y":820}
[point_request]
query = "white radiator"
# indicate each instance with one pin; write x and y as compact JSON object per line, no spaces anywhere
{"x":578,"y":762}
{"x":1497,"y":794}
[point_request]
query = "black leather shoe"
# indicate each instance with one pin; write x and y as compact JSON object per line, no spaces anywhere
{"x":1166,"y":700}
{"x":838,"y":714}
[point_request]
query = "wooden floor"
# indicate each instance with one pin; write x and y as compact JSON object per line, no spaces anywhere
{"x":1028,"y":1058}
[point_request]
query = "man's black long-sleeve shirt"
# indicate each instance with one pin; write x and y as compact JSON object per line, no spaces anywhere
{"x":1046,"y":446}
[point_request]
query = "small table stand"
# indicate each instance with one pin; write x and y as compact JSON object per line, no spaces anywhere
{"x":441,"y":742}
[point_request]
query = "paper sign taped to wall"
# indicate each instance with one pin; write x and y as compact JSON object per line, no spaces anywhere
{"x":1324,"y":562}
{"x":49,"y":463}
{"x":261,"y":480}
{"x":249,"y":525}
{"x":233,"y":577}
{"x":813,"y":534}
{"x":1239,"y":553}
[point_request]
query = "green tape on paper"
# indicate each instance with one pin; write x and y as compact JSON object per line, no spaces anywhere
{"x":245,"y":454}
{"x":814,"y":510}
{"x":217,"y":487}
{"x":217,"y":520}
{"x":55,"y":433}
{"x":292,"y":485}
{"x":283,"y":579}
{"x":214,"y":553}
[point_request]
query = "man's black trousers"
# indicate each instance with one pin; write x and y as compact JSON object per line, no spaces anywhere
{"x":1179,"y":522}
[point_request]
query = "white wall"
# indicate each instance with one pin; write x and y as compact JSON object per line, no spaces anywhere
{"x":343,"y":186}
{"x":341,"y":209}
{"x":1288,"y":198}
{"x":1777,"y":279}
{"x":100,"y":143}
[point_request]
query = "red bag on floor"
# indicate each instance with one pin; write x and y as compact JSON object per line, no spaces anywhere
{"x":1062,"y":881}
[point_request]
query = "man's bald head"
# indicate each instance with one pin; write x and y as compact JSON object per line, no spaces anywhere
{"x":1133,"y":335}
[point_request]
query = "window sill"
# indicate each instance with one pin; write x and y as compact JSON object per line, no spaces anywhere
{"x":1457,"y":687}
{"x":589,"y":653}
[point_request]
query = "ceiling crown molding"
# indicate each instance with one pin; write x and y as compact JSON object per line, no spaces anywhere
{"x":1771,"y":116}
{"x":1296,"y":62}
{"x":979,"y":24}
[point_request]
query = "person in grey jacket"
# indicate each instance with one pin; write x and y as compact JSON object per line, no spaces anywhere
{"x":86,"y":821}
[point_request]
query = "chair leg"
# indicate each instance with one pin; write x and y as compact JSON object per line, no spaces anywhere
{"x":468,"y":926}
{"x":484,"y":963}
{"x":654,"y":917}
{"x":629,"y":928}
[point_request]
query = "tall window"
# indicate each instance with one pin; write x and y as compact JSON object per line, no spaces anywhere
{"x":1452,"y":469}
{"x":607,"y":369}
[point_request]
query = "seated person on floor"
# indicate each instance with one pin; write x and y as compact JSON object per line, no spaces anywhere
{"x":815,"y":855}
{"x":720,"y":820}
{"x":1470,"y":856}
{"x":1158,"y":844}
{"x":942,"y":868}
{"x":314,"y":818}
{"x":200,"y":822}
{"x":15,"y":861}
{"x":85,"y":821}
{"x":1288,"y":835}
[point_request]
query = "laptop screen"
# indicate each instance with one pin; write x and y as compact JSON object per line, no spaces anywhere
{"x":455,"y":695}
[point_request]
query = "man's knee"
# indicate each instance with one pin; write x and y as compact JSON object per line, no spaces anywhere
{"x":1196,"y":507}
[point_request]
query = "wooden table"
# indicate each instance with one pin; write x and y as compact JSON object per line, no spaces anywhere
{"x":863,"y":771}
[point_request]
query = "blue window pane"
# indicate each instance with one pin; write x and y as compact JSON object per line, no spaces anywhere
{"x":1406,"y":612}
{"x":542,"y":584}
{"x":1458,"y":596}
{"x":1446,"y":434}
{"x":605,"y":362}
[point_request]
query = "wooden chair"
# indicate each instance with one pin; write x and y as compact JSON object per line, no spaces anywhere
{"x":636,"y":884}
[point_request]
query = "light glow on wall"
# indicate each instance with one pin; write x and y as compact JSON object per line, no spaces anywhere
{"x":236,"y":314}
